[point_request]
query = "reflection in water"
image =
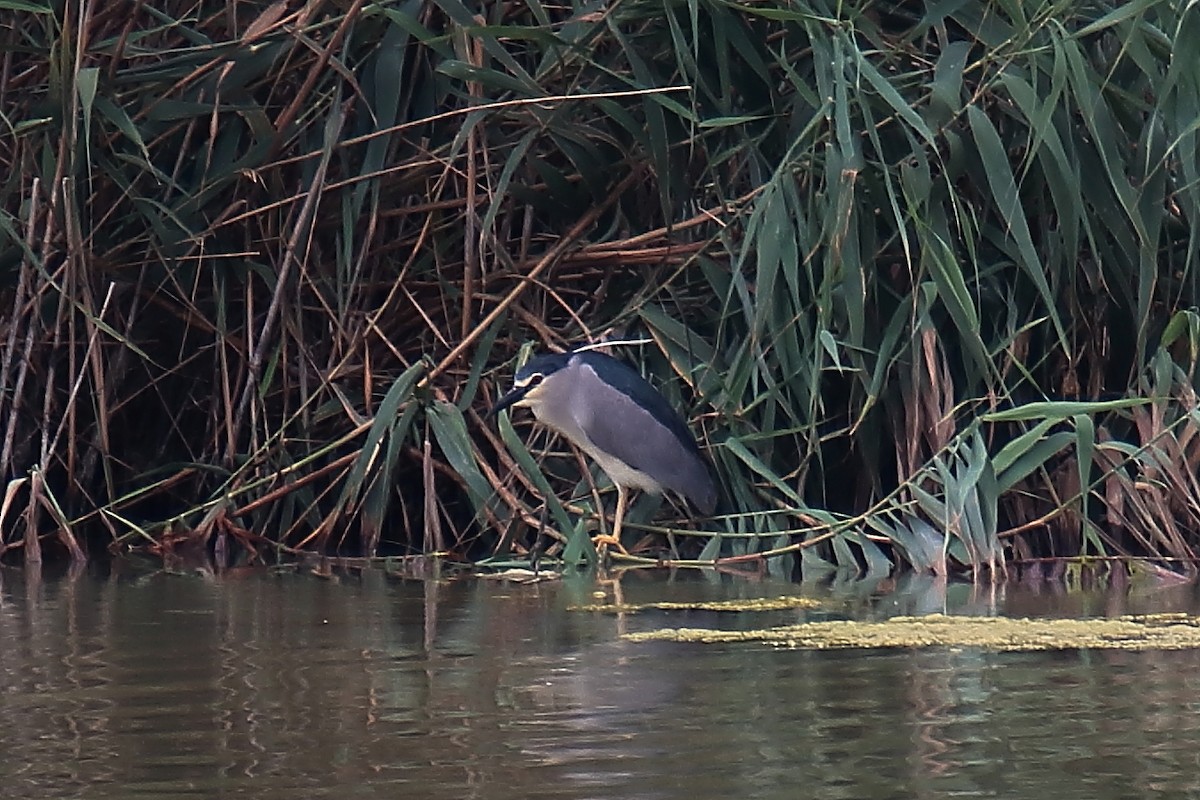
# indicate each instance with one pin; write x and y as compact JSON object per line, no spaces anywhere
{"x":285,"y":685}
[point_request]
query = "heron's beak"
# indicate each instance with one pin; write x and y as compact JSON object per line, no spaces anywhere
{"x":515,"y":396}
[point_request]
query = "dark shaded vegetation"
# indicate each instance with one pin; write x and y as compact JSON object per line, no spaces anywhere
{"x":922,"y":276}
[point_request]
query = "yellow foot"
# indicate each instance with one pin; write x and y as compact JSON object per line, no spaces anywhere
{"x":603,"y":541}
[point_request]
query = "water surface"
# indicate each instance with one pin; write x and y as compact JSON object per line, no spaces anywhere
{"x":291,"y":686}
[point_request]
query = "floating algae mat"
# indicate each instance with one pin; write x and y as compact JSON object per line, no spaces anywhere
{"x":1148,"y":632}
{"x":757,"y":604}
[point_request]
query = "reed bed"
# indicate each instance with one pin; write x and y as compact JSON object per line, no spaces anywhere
{"x":922,"y":277}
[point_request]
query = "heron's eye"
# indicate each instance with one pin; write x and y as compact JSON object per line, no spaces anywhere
{"x":535,"y":379}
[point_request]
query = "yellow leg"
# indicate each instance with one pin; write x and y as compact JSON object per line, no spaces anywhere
{"x":602,"y":541}
{"x":619,"y":517}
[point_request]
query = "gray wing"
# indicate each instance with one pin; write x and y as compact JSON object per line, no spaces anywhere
{"x":614,"y":423}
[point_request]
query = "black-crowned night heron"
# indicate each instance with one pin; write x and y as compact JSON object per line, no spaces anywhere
{"x":610,"y":412}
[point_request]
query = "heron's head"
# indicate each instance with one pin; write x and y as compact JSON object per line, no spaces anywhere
{"x":531,"y":381}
